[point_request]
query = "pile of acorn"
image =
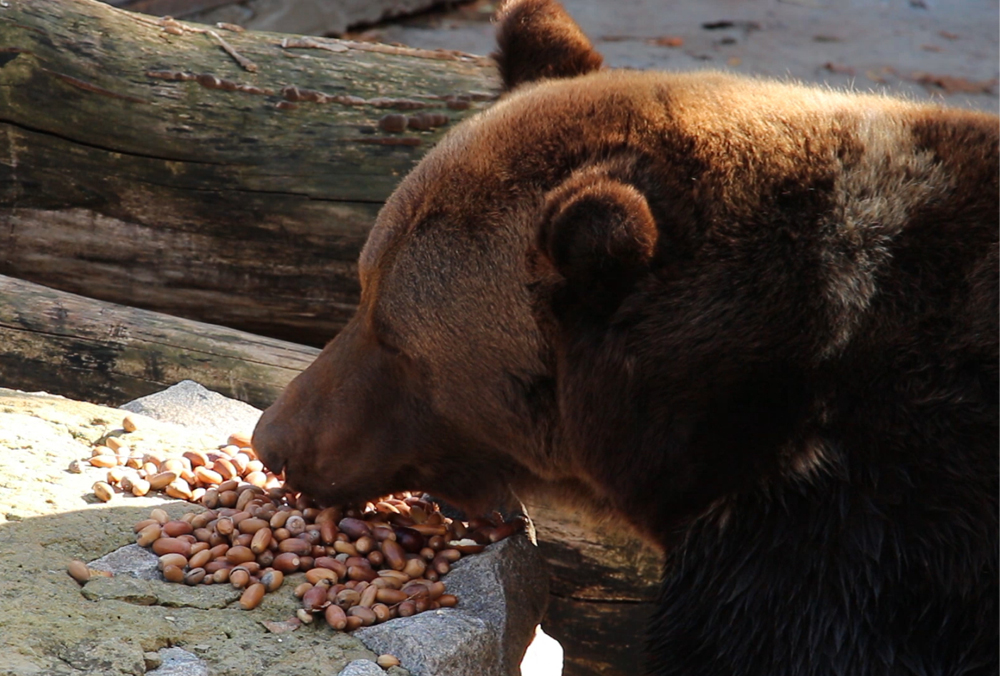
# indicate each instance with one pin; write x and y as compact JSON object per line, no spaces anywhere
{"x":190,"y":476}
{"x":362,"y":564}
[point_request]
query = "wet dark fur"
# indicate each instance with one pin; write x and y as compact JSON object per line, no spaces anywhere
{"x":757,"y":321}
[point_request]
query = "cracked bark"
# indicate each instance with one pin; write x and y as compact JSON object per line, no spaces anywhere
{"x":104,"y":353}
{"x":141,"y":164}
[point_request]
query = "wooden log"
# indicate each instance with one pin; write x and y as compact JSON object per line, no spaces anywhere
{"x":315,"y":17}
{"x":228,"y":177}
{"x":602,"y":585}
{"x":109,"y":354}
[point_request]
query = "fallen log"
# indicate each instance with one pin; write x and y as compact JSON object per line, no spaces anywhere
{"x":229,"y":177}
{"x":602,"y":587}
{"x":315,"y":17}
{"x":109,"y":354}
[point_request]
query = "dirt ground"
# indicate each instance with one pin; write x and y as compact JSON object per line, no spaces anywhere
{"x":941,"y":49}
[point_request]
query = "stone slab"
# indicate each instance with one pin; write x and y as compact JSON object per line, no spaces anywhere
{"x":194,"y":406}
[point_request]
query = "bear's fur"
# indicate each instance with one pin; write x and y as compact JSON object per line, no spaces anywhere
{"x":758,"y":321}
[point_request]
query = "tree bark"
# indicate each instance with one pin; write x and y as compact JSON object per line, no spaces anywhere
{"x":602,"y":587}
{"x":229,"y":177}
{"x":109,"y":354}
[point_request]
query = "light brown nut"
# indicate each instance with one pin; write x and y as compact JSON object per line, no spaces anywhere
{"x":390,"y":596}
{"x":115,"y":444}
{"x":287,"y":562}
{"x":301,"y":589}
{"x":279,"y":518}
{"x":296,"y":546}
{"x":172,"y":546}
{"x":435,"y":590}
{"x":347,"y":598}
{"x":256,"y":478}
{"x":194,"y":576}
{"x":353,"y":622}
{"x":342,"y":547}
{"x":361,"y":573}
{"x":173,"y":574}
{"x":240,"y":439}
{"x":78,"y":570}
{"x":355,"y":528}
{"x":261,"y":541}
{"x":176,"y":465}
{"x":395,"y":557}
{"x":148,"y":535}
{"x":415,"y":567}
{"x":382,"y":612}
{"x":272,"y":580}
{"x":315,"y":599}
{"x":128,"y":424}
{"x":196,"y":458}
{"x":252,"y":596}
{"x":447,"y":600}
{"x":316,"y":574}
{"x":225,"y":468}
{"x":387,"y":660}
{"x":103,"y":491}
{"x":158,"y":482}
{"x":172,"y":559}
{"x":140,"y":487}
{"x":160,"y":515}
{"x":240,"y":554}
{"x":335,"y":617}
{"x":142,"y":524}
{"x":104,"y":461}
{"x":252,"y":525}
{"x":172,"y":529}
{"x":239,"y":577}
{"x":199,"y":559}
{"x":207,"y":476}
{"x":368,"y":596}
{"x":100,"y":450}
{"x":366,"y":614}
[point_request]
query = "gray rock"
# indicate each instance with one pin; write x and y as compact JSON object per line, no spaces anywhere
{"x":192,"y":405}
{"x":179,"y":662}
{"x":153,"y":592}
{"x":362,"y":668}
{"x":101,"y":656}
{"x":130,"y":560}
{"x":503,"y":593}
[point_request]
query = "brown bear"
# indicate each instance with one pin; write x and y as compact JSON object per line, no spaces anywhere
{"x":758,"y":321}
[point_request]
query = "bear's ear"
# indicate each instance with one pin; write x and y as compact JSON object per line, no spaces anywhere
{"x":537,"y":39}
{"x":599,"y":234}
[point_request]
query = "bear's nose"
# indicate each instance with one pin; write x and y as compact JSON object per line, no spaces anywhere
{"x":267,"y":443}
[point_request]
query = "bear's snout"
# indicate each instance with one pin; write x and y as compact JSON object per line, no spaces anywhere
{"x":267,"y":437}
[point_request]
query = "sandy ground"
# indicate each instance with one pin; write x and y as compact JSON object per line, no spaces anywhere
{"x":941,"y":49}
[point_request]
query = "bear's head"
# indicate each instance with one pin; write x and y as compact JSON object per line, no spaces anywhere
{"x":442,"y":380}
{"x":571,"y":214}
